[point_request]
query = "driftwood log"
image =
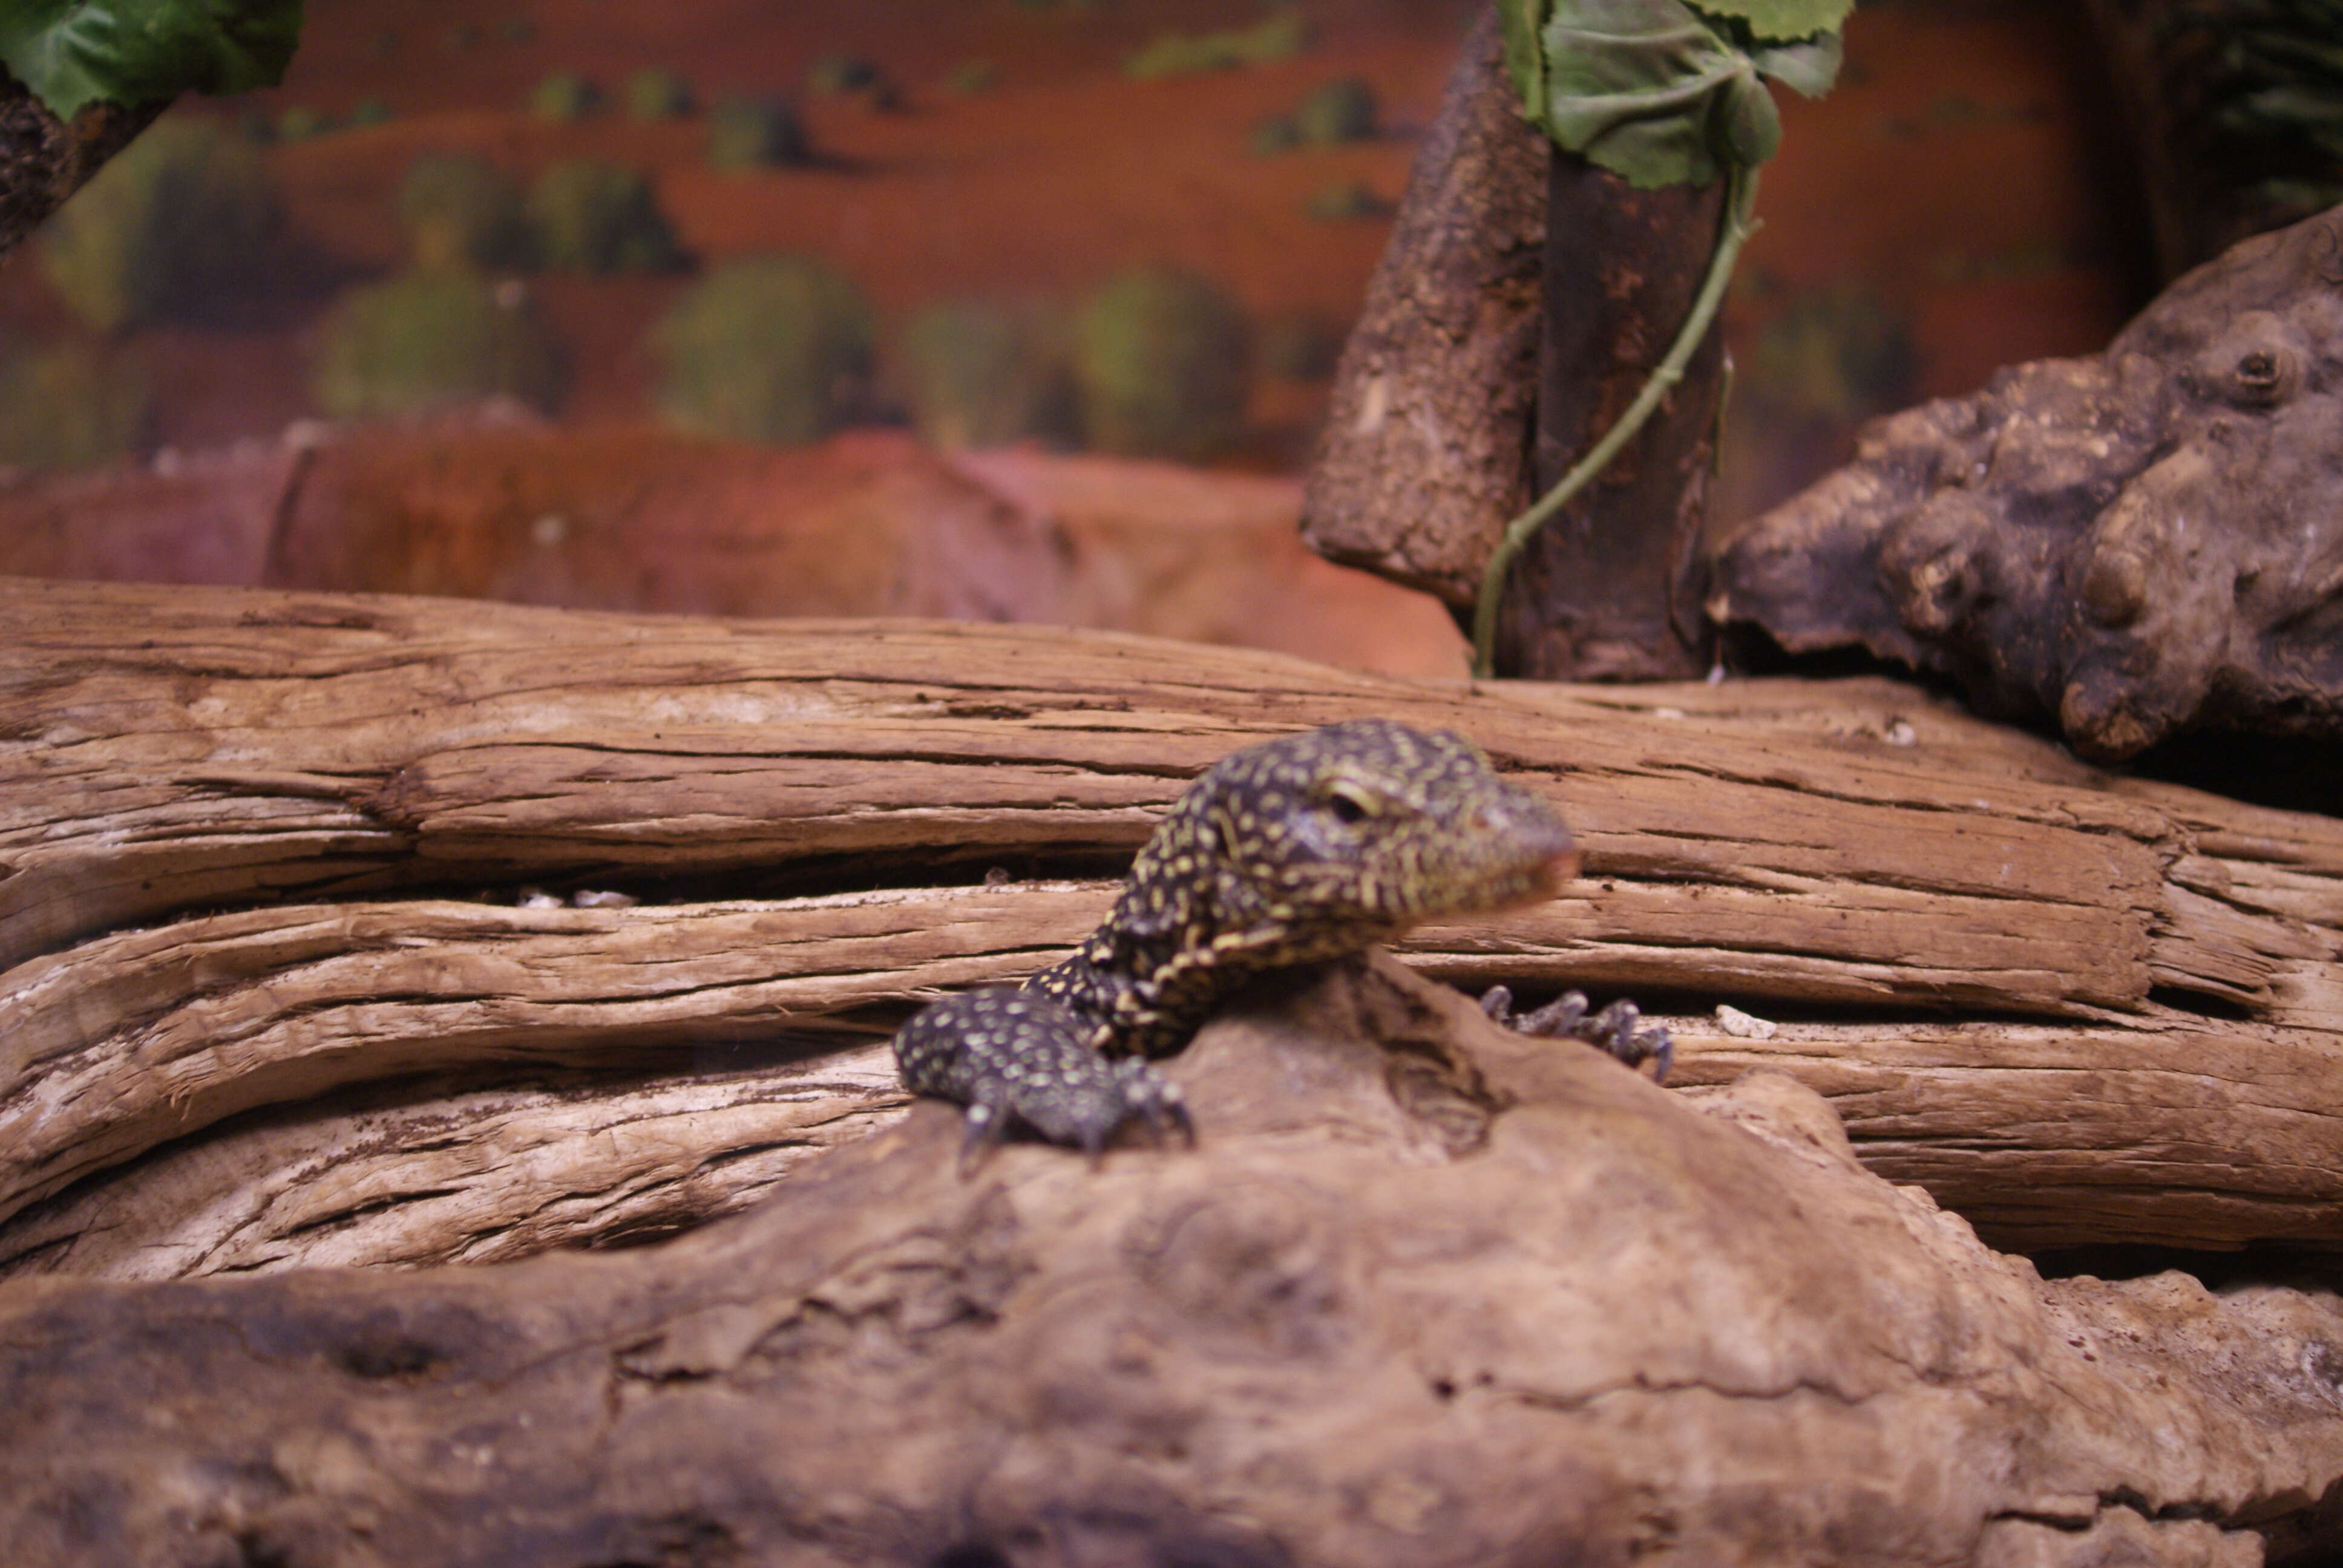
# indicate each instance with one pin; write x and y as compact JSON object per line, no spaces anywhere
{"x":1428,"y":1292}
{"x":1433,"y":1293}
{"x":2137,"y":544}
{"x":264,"y":848}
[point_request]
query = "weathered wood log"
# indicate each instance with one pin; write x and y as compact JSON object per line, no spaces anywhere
{"x":269,"y":747}
{"x":1430,"y":1293}
{"x":2012,"y":924}
{"x":2195,"y":1130}
{"x":422,"y":1170}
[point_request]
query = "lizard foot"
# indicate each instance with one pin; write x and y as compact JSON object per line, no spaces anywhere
{"x":1618,"y":1029}
{"x":1015,"y":1058}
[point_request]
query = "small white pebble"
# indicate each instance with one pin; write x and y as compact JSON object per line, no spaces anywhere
{"x":591,"y":900}
{"x":1901,"y":733}
{"x":1745,"y":1026}
{"x":537,"y":899}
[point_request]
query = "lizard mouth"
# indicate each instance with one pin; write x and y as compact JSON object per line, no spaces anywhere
{"x":1547,"y":878}
{"x":1543,"y":881}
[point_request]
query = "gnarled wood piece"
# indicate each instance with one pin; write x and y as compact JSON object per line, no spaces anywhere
{"x":1429,"y":1294}
{"x":2137,"y":544}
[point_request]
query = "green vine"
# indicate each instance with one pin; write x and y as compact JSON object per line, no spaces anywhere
{"x":1737,"y":224}
{"x":1660,"y":92}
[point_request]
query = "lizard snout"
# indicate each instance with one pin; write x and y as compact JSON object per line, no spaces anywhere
{"x":1533,"y":837}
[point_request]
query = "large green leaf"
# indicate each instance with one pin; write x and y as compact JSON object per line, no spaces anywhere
{"x":71,"y":52}
{"x":1807,"y":67}
{"x":1780,"y":21}
{"x":1660,"y":95}
{"x":1521,"y":22}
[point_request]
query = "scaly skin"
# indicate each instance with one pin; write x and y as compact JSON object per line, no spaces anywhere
{"x":1299,"y":849}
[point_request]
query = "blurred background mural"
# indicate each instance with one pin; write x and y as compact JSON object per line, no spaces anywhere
{"x":1003,"y":309}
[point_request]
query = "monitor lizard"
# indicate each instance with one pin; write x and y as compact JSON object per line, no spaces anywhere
{"x":1303,"y":849}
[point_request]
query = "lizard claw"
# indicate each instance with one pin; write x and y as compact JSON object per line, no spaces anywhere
{"x":980,"y":1134}
{"x":1151,"y":1095}
{"x":1618,"y":1029}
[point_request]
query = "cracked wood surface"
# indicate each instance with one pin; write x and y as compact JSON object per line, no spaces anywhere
{"x":180,"y":761}
{"x":1432,"y":1293}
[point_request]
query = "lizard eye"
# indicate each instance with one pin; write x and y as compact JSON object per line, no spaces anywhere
{"x":1347,"y":803}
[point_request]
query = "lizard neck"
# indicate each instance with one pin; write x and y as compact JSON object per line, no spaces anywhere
{"x":1167,"y":957}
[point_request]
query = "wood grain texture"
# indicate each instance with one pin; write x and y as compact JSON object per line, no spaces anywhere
{"x":1432,"y":1295}
{"x":230,"y":824}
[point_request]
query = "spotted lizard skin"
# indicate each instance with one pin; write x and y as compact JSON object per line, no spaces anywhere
{"x":1299,"y":849}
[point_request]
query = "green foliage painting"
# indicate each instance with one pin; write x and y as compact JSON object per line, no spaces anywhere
{"x":462,"y":211}
{"x":71,"y":405}
{"x":978,"y":374}
{"x":767,"y":349}
{"x":601,"y":219}
{"x":71,"y":53}
{"x":1162,"y":363}
{"x":431,"y":340}
{"x":180,"y":217}
{"x":750,"y":132}
{"x":1278,"y":36}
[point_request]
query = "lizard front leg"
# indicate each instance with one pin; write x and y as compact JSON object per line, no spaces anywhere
{"x":1017,"y":1057}
{"x":1618,"y":1029}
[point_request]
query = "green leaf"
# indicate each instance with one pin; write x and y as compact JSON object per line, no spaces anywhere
{"x":1779,"y":21}
{"x":72,"y":53}
{"x":1660,"y":94}
{"x":1632,"y":85}
{"x":1521,"y":22}
{"x":1808,"y":68}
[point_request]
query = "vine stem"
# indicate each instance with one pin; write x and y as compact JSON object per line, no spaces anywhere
{"x":1740,"y":204}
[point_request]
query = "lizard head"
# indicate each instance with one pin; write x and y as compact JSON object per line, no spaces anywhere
{"x":1366,"y":827}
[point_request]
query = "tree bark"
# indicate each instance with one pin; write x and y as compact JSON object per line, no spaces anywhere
{"x":1426,"y":448}
{"x":1596,"y":594}
{"x":1522,"y":299}
{"x":232,"y":835}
